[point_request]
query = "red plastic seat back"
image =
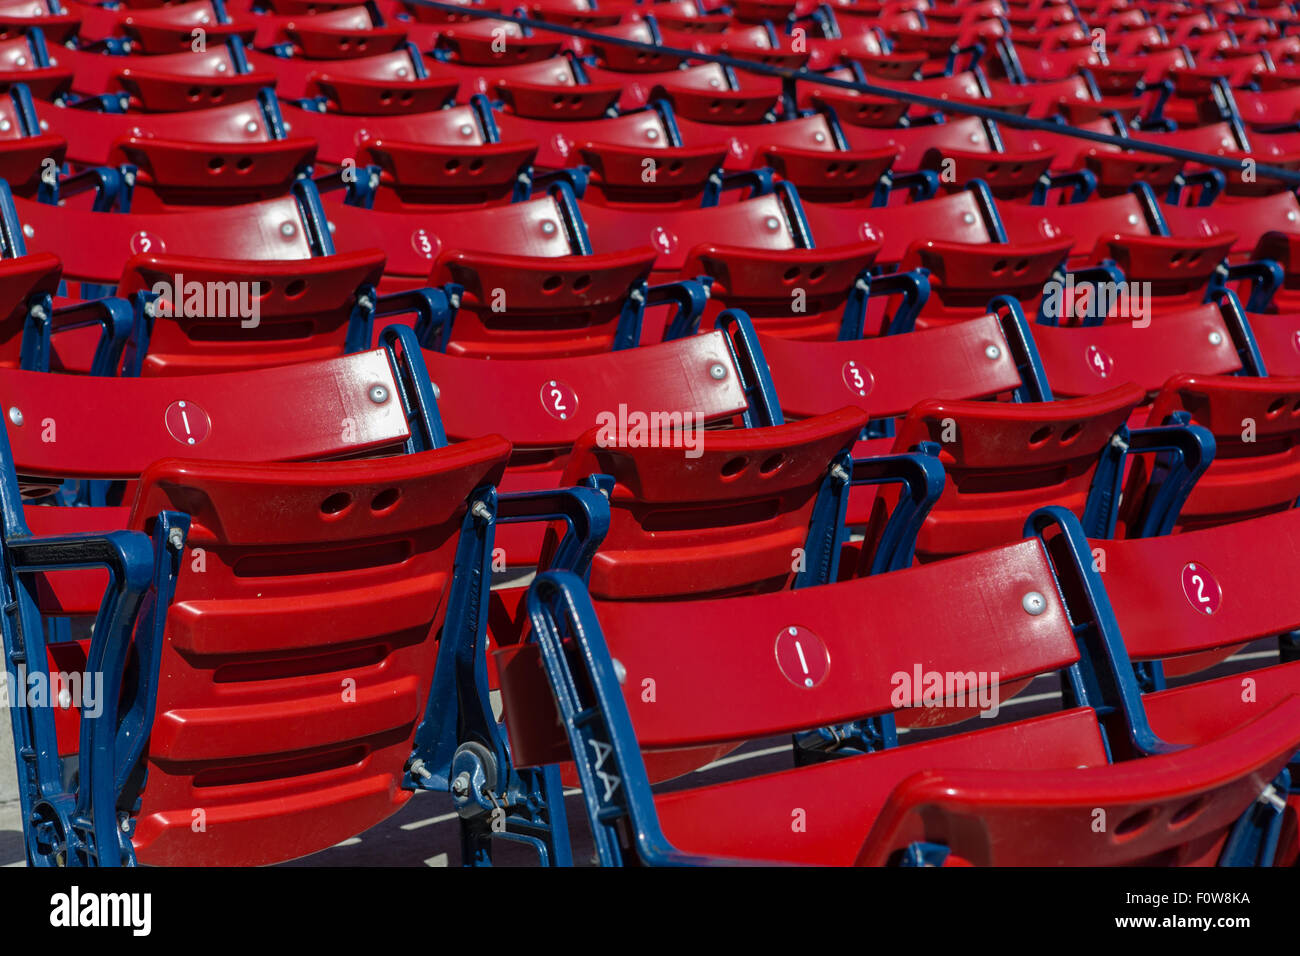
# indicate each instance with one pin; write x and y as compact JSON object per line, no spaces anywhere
{"x":545,"y":406}
{"x":94,"y":134}
{"x":1158,"y":812}
{"x":380,"y":84}
{"x":1249,"y":219}
{"x":1118,"y":228}
{"x":750,"y":140}
{"x":342,"y":34}
{"x":796,"y":292}
{"x":192,"y":81}
{"x":171,"y":29}
{"x":887,"y":375}
{"x":228,"y":315}
{"x":863,"y":109}
{"x":224,"y":417}
{"x":1086,"y":360}
{"x":638,"y":59}
{"x":559,"y":142}
{"x":423,"y":14}
{"x":680,"y":173}
{"x":475,"y":44}
{"x":956,"y":217}
{"x":340,"y":137}
{"x":17,"y":15}
{"x":1173,"y":265}
{"x":965,"y":277}
{"x":436,"y":174}
{"x":576,"y":13}
{"x":1090,"y":224}
{"x":298,"y":656}
{"x":831,"y":176}
{"x":1256,"y":428}
{"x":912,"y":143}
{"x":759,"y":223}
{"x":414,"y":241}
{"x":728,"y":514}
{"x":18,"y":65}
{"x":185,"y":173}
{"x":557,"y":103}
{"x":95,"y":246}
{"x":527,"y":306}
{"x":1004,"y":461}
{"x":1278,"y":338}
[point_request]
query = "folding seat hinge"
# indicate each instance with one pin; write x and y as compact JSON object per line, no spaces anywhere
{"x":474,"y":781}
{"x":1272,"y":798}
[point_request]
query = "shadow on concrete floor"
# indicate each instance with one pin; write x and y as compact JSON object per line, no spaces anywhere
{"x":12,"y":848}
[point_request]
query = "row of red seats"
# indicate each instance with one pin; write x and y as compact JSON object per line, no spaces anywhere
{"x":255,"y":586}
{"x":633,"y":564}
{"x":568,"y":266}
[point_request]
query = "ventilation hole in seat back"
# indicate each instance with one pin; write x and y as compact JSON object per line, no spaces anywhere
{"x":734,"y":467}
{"x":1133,"y":825}
{"x":336,"y":503}
{"x":1187,"y":811}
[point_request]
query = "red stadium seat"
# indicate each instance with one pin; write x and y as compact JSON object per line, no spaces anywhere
{"x":1002,"y":461}
{"x":1057,"y":767}
{"x":953,"y":334}
{"x":357,"y":755}
{"x":428,"y":513}
{"x":1256,"y":426}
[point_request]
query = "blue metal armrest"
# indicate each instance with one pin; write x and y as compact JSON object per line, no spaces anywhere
{"x":1182,"y":451}
{"x":132,"y":615}
{"x":114,"y":316}
{"x":1209,"y":184}
{"x":921,"y":475}
{"x":689,"y":296}
{"x":417,"y":392}
{"x":1103,"y":678}
{"x":759,"y":182}
{"x":1265,"y":276}
{"x":110,"y":184}
{"x":360,"y":183}
{"x":576,"y":177}
{"x":921,"y":185}
{"x":458,"y":738}
{"x":435,"y":310}
{"x":914,"y":288}
{"x":1081,"y":182}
